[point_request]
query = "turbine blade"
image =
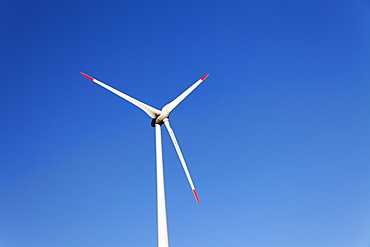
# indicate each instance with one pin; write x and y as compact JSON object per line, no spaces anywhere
{"x":151,"y":111}
{"x":182,"y":160}
{"x":170,"y":106}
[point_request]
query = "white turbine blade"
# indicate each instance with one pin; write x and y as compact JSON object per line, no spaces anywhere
{"x":170,"y":106}
{"x":178,"y":150}
{"x":151,"y":111}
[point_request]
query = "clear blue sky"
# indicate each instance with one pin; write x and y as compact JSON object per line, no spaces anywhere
{"x":277,"y":139}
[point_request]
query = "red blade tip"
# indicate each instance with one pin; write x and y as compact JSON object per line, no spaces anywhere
{"x":196,"y":196}
{"x":204,"y":77}
{"x":88,"y":77}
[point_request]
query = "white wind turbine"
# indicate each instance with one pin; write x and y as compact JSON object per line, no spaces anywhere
{"x":160,"y":117}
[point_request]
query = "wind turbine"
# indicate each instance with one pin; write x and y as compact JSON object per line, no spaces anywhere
{"x":160,"y":117}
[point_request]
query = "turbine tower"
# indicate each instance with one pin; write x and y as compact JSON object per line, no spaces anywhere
{"x":160,"y":117}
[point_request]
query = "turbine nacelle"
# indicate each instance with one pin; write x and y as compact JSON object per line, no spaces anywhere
{"x":163,"y":115}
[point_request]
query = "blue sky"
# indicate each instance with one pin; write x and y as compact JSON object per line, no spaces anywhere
{"x":277,"y":139}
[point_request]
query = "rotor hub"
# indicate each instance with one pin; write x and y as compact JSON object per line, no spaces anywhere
{"x":161,"y":118}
